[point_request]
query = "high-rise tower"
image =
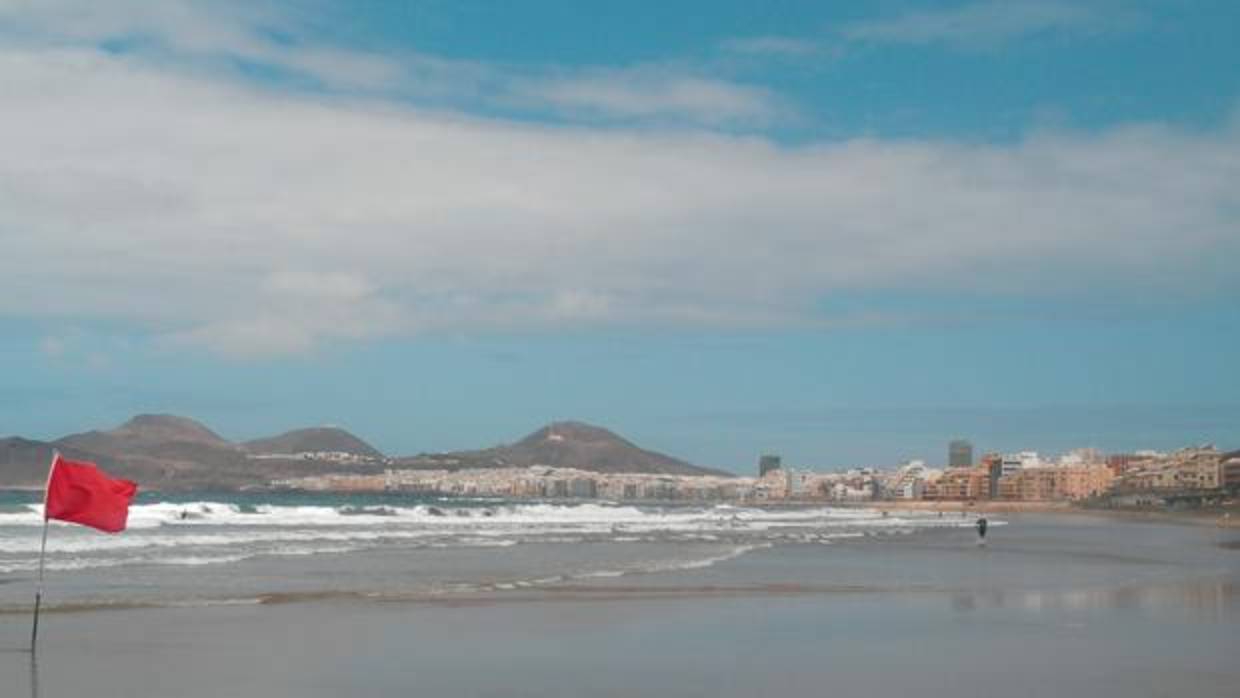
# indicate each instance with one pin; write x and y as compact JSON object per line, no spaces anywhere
{"x":960,"y":454}
{"x":767,"y":463}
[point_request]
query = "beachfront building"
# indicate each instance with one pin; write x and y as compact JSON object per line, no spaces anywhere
{"x":1081,"y":456}
{"x":1056,"y":482}
{"x":1230,"y":471}
{"x":1123,"y":463}
{"x":1024,"y":476}
{"x":846,"y":492}
{"x":1188,"y":469}
{"x":807,"y":484}
{"x":992,"y":463}
{"x":958,"y":485}
{"x":909,"y":481}
{"x":1012,"y":463}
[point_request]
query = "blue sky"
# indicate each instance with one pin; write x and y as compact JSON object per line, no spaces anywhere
{"x":844,"y":232}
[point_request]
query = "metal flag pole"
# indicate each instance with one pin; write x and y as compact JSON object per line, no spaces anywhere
{"x":38,"y":594}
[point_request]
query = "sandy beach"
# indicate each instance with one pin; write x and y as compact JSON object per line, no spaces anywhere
{"x":1222,"y":517}
{"x":1053,"y":606}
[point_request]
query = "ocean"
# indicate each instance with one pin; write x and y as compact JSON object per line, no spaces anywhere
{"x":212,"y":547}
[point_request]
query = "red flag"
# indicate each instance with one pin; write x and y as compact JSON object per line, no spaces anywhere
{"x":80,"y":492}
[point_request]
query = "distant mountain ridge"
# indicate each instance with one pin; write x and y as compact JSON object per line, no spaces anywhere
{"x":570,"y":444}
{"x":147,"y":431}
{"x":24,"y":462}
{"x":313,"y":440}
{"x":164,"y":451}
{"x":170,"y":452}
{"x":168,"y":427}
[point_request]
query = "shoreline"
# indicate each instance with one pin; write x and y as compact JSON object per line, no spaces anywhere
{"x":551,"y":594}
{"x":1221,"y":518}
{"x":987,"y":506}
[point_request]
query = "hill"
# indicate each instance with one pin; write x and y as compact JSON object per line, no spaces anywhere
{"x":568,"y":445}
{"x":24,"y":462}
{"x":313,"y":440}
{"x":168,"y":452}
{"x":165,"y":451}
{"x":146,"y":431}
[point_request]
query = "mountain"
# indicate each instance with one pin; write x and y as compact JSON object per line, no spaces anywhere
{"x":568,"y":445}
{"x":147,"y":431}
{"x":24,"y":462}
{"x":167,"y":452}
{"x":313,"y":440}
{"x":153,"y":428}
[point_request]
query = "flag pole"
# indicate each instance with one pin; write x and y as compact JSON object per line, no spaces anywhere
{"x":38,"y":594}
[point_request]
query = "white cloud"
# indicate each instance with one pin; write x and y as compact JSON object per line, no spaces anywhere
{"x":981,"y":23}
{"x":215,"y":213}
{"x":655,"y":94}
{"x":214,"y":37}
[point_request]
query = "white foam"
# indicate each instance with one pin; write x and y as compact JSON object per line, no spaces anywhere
{"x":209,"y":532}
{"x":655,"y":566}
{"x":210,"y":513}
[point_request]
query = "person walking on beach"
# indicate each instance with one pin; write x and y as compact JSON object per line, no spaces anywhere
{"x":981,"y":531}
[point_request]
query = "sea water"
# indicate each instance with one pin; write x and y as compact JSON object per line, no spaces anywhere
{"x":228,"y":546}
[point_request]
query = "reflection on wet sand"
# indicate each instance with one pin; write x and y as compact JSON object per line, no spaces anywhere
{"x":34,"y":675}
{"x":1206,"y":599}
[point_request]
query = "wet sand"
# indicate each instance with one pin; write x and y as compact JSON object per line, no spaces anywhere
{"x":1052,"y":607}
{"x":1224,"y":517}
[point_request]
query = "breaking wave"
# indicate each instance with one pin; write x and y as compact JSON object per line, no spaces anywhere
{"x":211,"y":532}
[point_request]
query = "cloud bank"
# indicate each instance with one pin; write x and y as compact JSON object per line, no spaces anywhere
{"x":239,"y":39}
{"x":252,"y":221}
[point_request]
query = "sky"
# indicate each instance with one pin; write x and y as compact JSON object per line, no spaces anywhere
{"x":842,"y":232}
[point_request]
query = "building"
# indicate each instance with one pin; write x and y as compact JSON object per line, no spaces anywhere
{"x":1231,"y":471}
{"x":1082,"y":456}
{"x":1121,"y":463}
{"x":1014,"y":462}
{"x":582,"y":488}
{"x":992,"y":463}
{"x":1188,"y":469}
{"x":960,"y":454}
{"x":767,"y":463}
{"x":959,"y":484}
{"x":1050,"y":483}
{"x":909,"y":481}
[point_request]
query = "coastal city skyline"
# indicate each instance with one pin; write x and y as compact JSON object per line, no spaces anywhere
{"x":152,"y":439}
{"x":937,"y":445}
